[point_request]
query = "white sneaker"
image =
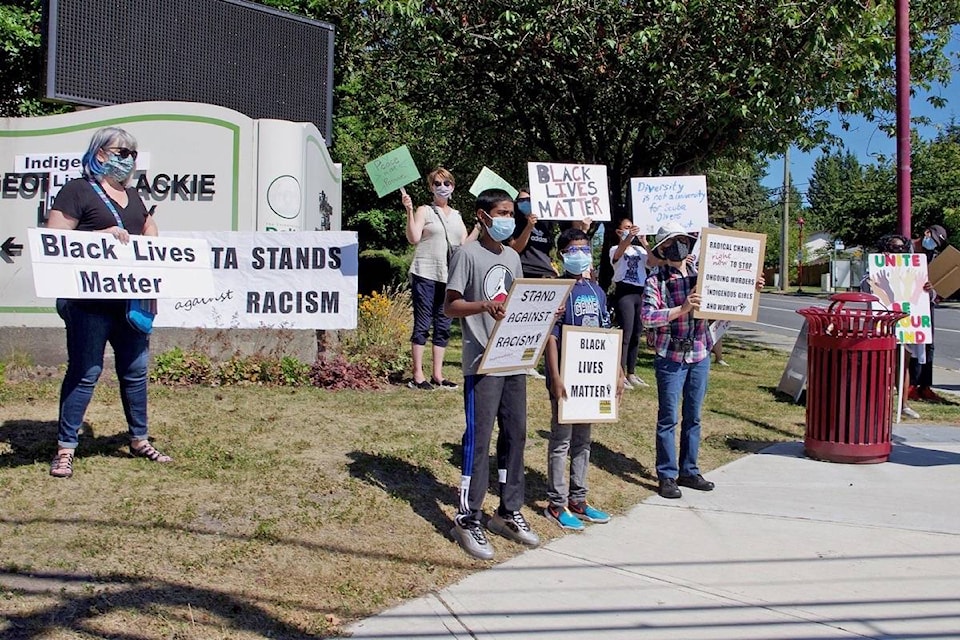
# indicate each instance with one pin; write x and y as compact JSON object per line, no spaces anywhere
{"x":636,"y":381}
{"x":910,"y":413}
{"x":627,"y":386}
{"x":533,"y":373}
{"x":514,"y":527}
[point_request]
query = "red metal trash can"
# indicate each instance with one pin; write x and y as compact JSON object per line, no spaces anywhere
{"x":851,"y":360}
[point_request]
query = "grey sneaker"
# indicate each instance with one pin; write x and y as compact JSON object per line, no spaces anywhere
{"x":473,"y":540}
{"x":514,"y":527}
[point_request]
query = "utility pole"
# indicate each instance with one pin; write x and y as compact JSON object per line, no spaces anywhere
{"x":785,"y":225}
{"x":903,"y":114}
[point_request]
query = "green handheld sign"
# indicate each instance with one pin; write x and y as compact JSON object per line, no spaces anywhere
{"x":488,"y":179}
{"x":391,"y":171}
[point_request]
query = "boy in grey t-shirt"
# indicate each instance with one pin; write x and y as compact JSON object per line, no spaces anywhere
{"x":479,"y":278}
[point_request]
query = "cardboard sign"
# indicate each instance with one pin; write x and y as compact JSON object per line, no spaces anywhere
{"x":490,"y":180}
{"x":590,"y":368}
{"x":794,"y":377}
{"x":392,"y":170}
{"x":518,"y":340}
{"x":898,"y":280}
{"x":303,"y":280}
{"x":569,"y":191}
{"x":944,"y":272}
{"x":730,"y":265}
{"x":679,"y":199}
{"x":93,"y":265}
{"x":718,"y":328}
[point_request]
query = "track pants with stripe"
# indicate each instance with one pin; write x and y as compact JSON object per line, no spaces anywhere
{"x":486,"y":399}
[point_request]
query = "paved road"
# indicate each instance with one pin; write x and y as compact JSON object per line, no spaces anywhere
{"x":778,"y":315}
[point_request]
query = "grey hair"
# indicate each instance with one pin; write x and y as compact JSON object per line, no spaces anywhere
{"x":105,"y":137}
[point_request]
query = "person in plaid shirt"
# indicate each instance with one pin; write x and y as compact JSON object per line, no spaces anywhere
{"x":681,"y":362}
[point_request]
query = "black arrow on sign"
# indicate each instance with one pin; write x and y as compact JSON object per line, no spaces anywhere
{"x":11,"y":249}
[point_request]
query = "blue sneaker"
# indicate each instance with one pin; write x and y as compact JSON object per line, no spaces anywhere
{"x":564,"y":518}
{"x":585,"y":512}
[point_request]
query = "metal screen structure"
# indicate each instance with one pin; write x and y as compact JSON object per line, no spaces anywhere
{"x":256,"y":60}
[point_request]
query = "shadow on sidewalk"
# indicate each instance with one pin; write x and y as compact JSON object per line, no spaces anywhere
{"x":901,"y":453}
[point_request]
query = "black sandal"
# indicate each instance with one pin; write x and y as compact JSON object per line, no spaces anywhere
{"x":147,"y":451}
{"x":62,"y":465}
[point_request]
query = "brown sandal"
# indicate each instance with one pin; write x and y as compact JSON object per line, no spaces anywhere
{"x":62,"y":465}
{"x":146,"y":450}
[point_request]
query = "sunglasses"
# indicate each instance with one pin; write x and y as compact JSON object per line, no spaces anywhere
{"x":123,"y":152}
{"x":570,"y":250}
{"x":437,"y":183}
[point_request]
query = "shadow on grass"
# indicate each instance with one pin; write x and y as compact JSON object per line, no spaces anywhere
{"x":616,"y":463}
{"x":766,"y":426}
{"x":780,"y":396}
{"x":535,"y":487}
{"x":33,"y":441}
{"x":623,"y":466}
{"x":414,"y":484}
{"x":78,"y":607}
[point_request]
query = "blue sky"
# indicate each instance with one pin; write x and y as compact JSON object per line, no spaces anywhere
{"x":866,"y":139}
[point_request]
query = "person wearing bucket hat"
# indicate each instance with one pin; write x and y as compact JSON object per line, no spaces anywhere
{"x":681,"y":361}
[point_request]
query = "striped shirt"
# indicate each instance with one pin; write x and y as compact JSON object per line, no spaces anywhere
{"x":684,"y":339}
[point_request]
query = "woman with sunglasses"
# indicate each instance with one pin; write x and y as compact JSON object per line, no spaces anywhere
{"x":437,"y":230}
{"x":102,"y":201}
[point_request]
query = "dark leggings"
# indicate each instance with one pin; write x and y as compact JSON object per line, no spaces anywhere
{"x":921,"y":375}
{"x":629,"y":299}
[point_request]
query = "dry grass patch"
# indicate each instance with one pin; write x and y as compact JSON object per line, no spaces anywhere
{"x":291,"y":511}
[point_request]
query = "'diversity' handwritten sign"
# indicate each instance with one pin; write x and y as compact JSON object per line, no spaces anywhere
{"x":730,"y":264}
{"x":897,"y":279}
{"x":569,"y":191}
{"x":678,"y":199}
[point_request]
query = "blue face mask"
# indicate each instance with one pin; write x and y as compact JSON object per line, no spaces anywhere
{"x":577,"y":262}
{"x":929,"y":243}
{"x":118,"y":168}
{"x":523,"y":206}
{"x":501,"y":228}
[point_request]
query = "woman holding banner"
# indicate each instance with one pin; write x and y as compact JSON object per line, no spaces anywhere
{"x":102,"y":201}
{"x":437,"y":230}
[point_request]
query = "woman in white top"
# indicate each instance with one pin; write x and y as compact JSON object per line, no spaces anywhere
{"x":630,"y":260}
{"x":437,"y":230}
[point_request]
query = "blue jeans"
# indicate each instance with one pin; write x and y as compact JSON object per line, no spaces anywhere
{"x":676,"y":380}
{"x":91,"y":324}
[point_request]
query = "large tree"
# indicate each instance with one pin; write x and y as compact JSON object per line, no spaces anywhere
{"x":651,"y":88}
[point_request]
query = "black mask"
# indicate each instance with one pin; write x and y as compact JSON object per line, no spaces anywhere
{"x":676,"y":252}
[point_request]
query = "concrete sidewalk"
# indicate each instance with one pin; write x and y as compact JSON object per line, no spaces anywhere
{"x":785,"y":547}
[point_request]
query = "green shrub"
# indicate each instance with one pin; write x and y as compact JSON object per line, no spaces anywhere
{"x":179,"y":367}
{"x":381,"y":340}
{"x":381,"y":269}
